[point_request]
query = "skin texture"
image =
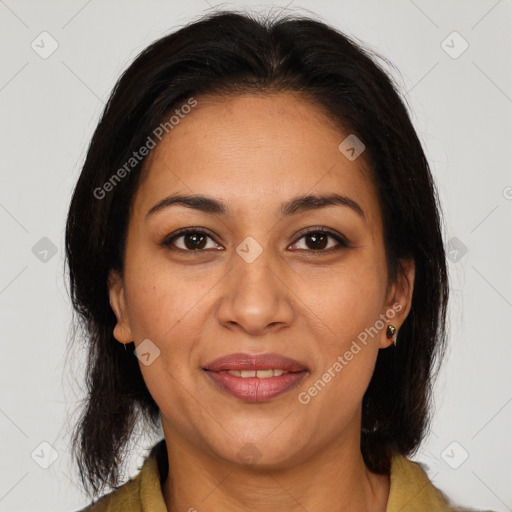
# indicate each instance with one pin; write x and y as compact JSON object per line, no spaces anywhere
{"x":255,"y":152}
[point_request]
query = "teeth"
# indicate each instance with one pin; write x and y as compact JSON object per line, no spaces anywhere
{"x":261,"y":374}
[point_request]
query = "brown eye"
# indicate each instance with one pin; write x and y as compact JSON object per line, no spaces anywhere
{"x":318,"y":240}
{"x":191,"y":240}
{"x":194,"y":241}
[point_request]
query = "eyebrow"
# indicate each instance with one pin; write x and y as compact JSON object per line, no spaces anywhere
{"x":294,"y":206}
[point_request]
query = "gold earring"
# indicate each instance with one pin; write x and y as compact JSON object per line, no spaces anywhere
{"x":391,"y":333}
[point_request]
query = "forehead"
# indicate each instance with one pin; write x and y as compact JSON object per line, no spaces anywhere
{"x":253,"y":151}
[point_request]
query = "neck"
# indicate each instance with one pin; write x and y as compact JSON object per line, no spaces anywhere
{"x":334,"y":478}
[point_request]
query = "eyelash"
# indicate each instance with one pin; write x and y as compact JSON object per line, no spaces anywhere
{"x":342,"y":241}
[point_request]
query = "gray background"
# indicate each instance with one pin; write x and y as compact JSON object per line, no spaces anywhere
{"x":461,"y":106}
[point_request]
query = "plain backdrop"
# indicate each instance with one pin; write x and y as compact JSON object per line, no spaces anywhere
{"x":456,"y":74}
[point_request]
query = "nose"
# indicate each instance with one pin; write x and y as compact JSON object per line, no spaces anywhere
{"x":256,"y":297}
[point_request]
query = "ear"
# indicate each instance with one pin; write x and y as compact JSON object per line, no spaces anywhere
{"x":122,"y":330}
{"x":399,"y":299}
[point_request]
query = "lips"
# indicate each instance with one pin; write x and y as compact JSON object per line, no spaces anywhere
{"x":255,"y":362}
{"x":255,"y":378}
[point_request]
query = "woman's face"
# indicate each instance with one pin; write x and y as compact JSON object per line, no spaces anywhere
{"x":250,"y":281}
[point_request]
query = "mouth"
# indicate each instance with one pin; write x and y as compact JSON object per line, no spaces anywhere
{"x":255,"y":378}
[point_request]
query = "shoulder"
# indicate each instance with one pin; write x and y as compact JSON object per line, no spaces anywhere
{"x":124,"y":498}
{"x":139,"y":492}
{"x":412,"y":490}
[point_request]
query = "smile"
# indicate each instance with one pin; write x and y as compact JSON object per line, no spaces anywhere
{"x":256,"y":386}
{"x":255,"y":377}
{"x":261,"y":374}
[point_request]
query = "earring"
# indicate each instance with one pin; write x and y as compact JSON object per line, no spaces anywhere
{"x":391,"y":333}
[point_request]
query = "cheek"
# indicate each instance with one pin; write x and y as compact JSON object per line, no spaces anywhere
{"x":160,"y":299}
{"x":344,"y":312}
{"x":165,"y":310}
{"x":345,"y":301}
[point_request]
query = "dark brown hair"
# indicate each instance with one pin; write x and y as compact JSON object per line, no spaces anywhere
{"x":228,"y":53}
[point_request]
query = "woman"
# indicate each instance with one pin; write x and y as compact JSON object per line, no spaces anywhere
{"x":255,"y":250}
